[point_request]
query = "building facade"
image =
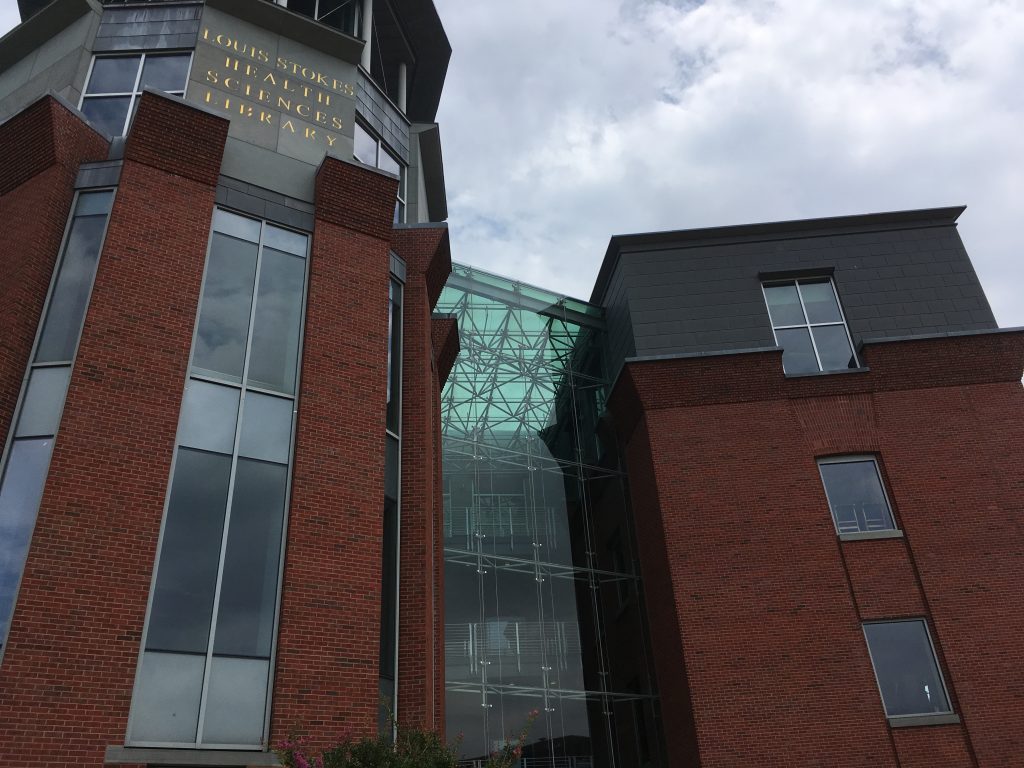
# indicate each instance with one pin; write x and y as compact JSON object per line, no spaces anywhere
{"x":271,"y":465}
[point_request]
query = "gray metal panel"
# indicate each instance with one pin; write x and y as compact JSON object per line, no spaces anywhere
{"x":104,"y":174}
{"x":382,"y":116}
{"x":265,"y":204}
{"x":148,"y":28}
{"x":908,"y":280}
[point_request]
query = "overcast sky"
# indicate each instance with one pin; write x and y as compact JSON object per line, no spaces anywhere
{"x":567,"y":121}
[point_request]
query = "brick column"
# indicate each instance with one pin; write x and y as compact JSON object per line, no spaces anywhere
{"x":327,"y":674}
{"x":427,"y":253}
{"x":66,"y":681}
{"x":40,"y":151}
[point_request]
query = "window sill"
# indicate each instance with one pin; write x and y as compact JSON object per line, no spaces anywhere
{"x":913,"y":721}
{"x":895,"y":533}
{"x":812,"y":374}
{"x":211,"y":758}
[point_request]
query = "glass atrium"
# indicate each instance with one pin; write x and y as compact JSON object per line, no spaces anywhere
{"x":543,"y":606}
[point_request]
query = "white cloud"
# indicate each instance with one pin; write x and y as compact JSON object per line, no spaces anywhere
{"x":567,"y":123}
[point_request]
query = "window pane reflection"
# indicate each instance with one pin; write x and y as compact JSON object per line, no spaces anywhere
{"x":21,"y":490}
{"x":189,"y":553}
{"x":275,"y":333}
{"x":226,"y":303}
{"x":70,"y":296}
{"x":248,"y":594}
{"x":905,"y":666}
{"x":113,"y":74}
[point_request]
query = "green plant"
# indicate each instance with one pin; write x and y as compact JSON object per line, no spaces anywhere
{"x":412,"y":748}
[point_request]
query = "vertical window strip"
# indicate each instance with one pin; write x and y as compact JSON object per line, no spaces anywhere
{"x":204,"y":675}
{"x":390,"y":565}
{"x":37,"y":416}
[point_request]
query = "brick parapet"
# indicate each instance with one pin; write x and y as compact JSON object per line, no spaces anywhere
{"x":177,"y":138}
{"x":355,"y":197}
{"x":87,"y":579}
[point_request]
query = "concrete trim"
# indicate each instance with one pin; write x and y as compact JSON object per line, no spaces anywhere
{"x":913,"y":721}
{"x":688,"y":355}
{"x":40,"y":27}
{"x":895,"y":533}
{"x":213,"y":758}
{"x":281,"y":21}
{"x":939,"y":335}
{"x":839,"y":371}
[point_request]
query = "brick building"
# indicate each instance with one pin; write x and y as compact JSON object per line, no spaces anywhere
{"x":269,"y":460}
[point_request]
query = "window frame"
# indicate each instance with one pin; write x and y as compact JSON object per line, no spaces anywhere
{"x":807,"y":324}
{"x":894,"y":531}
{"x":897,"y":719}
{"x":243,"y":387}
{"x":7,"y":447}
{"x":136,"y":93}
{"x":403,"y":170}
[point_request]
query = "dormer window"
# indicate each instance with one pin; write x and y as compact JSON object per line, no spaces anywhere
{"x":809,"y":325}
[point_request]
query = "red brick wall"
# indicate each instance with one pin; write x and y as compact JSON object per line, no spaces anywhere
{"x":40,"y":151}
{"x":421,"y":633}
{"x":66,"y":681}
{"x":328,"y":648}
{"x":764,"y":602}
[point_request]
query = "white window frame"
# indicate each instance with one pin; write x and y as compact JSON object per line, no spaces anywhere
{"x":807,"y":324}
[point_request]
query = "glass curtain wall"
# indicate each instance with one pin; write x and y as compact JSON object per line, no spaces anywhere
{"x":543,"y":608}
{"x":204,"y":673}
{"x":23,"y":473}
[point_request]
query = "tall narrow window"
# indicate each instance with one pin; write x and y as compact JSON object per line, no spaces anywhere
{"x":808,"y":324}
{"x":116,"y":83}
{"x":23,"y":474}
{"x":204,"y":675}
{"x":392,"y":479}
{"x":904,"y":662}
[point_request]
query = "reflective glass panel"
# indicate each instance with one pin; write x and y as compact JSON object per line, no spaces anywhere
{"x":209,"y":413}
{"x":820,"y":302}
{"x":797,"y":352}
{"x":905,"y":667}
{"x":784,"y":305}
{"x":94,"y":203}
{"x":44,"y":399}
{"x":189,"y":553}
{"x":113,"y":74}
{"x":237,"y":226}
{"x":70,"y":297}
{"x":395,"y":357}
{"x":833,"y":347}
{"x":245,"y":618}
{"x":236,"y":702}
{"x":284,"y":240}
{"x":20,"y":492}
{"x":167,"y":694}
{"x":107,"y":113}
{"x":365,"y":147}
{"x":389,"y":164}
{"x":275,"y":333}
{"x":166,"y":73}
{"x":225,"y":309}
{"x":266,"y":428}
{"x":855,"y":495}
